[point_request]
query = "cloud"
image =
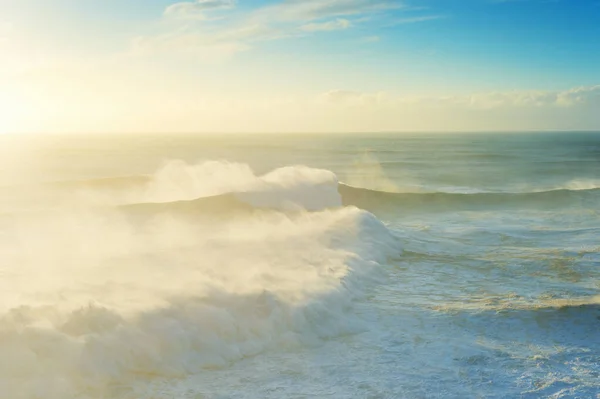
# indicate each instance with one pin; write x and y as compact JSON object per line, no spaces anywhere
{"x":536,"y":99}
{"x":193,"y":45}
{"x":250,"y":33}
{"x":351,"y":98}
{"x":196,"y":9}
{"x":579,"y":96}
{"x":309,"y":10}
{"x":337,"y":24}
{"x":198,"y":6}
{"x":570,"y":109}
{"x":119,"y":97}
{"x":207,"y":44}
{"x":192,"y":28}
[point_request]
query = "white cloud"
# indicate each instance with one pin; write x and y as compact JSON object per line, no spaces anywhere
{"x":579,"y":96}
{"x":206,"y":48}
{"x":196,"y":28}
{"x":196,"y":9}
{"x":207,"y":44}
{"x":116,"y":97}
{"x":351,"y":98}
{"x":566,"y":98}
{"x":572,"y":109}
{"x":336,"y":24}
{"x":288,"y":10}
{"x":309,"y":10}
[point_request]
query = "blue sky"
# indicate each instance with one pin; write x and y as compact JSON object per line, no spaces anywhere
{"x":419,"y":59}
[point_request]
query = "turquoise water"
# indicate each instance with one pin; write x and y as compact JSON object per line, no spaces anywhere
{"x":265,"y":266}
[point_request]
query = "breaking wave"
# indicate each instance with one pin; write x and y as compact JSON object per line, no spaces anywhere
{"x":220,"y":186}
{"x":94,"y":300}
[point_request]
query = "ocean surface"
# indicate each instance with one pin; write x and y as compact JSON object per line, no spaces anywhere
{"x":300,"y":266}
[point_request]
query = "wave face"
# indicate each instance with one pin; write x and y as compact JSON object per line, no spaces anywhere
{"x":92,"y":299}
{"x":443,"y":201}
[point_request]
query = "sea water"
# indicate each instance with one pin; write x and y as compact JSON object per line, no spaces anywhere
{"x":295,"y":266}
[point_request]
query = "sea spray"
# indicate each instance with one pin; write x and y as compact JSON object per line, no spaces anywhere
{"x":93,"y":299}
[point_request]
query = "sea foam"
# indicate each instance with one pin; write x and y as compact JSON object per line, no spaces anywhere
{"x":93,"y":301}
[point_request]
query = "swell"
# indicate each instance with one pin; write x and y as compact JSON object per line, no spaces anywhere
{"x":135,"y":181}
{"x":216,"y":205}
{"x":373,"y":200}
{"x":379,"y":200}
{"x":245,"y":199}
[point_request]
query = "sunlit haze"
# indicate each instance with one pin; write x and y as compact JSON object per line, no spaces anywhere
{"x":298,"y":65}
{"x":303,"y":199}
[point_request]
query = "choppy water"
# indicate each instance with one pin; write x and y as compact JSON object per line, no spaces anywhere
{"x":399,"y":266}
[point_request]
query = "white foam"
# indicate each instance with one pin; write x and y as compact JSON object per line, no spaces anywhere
{"x":287,"y":187}
{"x":90,"y":302}
{"x":292,"y":187}
{"x":574,"y":185}
{"x":177,"y":180}
{"x":582,"y":184}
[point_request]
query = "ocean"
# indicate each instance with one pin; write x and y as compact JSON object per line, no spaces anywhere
{"x":300,"y":266}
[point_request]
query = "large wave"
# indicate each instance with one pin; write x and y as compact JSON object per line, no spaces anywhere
{"x":218,"y":186}
{"x":93,"y":300}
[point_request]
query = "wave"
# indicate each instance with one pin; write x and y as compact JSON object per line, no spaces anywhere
{"x":374,"y":201}
{"x":92,"y":300}
{"x":218,"y":205}
{"x":291,"y":187}
{"x":515,"y":303}
{"x":580,"y":184}
{"x":221,"y":185}
{"x":380,"y":200}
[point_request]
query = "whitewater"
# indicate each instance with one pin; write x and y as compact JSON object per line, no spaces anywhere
{"x":261,"y":266}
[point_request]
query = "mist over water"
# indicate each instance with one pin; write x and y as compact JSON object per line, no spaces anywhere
{"x":300,"y":266}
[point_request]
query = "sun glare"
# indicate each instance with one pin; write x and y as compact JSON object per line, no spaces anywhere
{"x":14,"y":116}
{"x":8,"y":123}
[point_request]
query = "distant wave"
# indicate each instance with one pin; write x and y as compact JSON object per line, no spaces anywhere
{"x":374,"y":200}
{"x":142,"y":180}
{"x":580,"y":184}
{"x":509,"y":303}
{"x":219,"y":187}
{"x":216,"y":205}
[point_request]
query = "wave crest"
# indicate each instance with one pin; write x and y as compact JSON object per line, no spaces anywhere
{"x":380,"y":200}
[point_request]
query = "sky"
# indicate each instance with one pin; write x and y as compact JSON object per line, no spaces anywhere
{"x":116,"y":66}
